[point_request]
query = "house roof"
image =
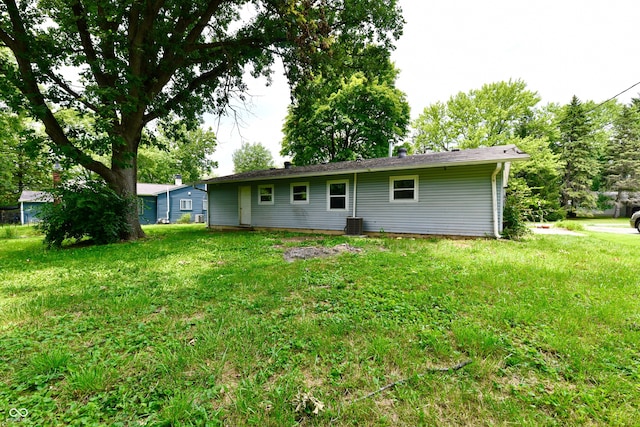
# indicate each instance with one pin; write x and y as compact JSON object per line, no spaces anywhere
{"x":142,"y":189}
{"x":477,"y":156}
{"x":35,"y":197}
{"x":155,"y":189}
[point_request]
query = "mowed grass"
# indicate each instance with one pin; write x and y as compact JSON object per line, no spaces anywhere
{"x":193,"y":327}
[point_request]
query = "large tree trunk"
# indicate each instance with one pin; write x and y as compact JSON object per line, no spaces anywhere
{"x":124,"y":177}
{"x":125,"y":185}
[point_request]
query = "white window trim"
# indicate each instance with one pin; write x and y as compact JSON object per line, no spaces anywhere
{"x":299,"y":202}
{"x":273,"y":194}
{"x":392,"y":179}
{"x":346,"y":196}
{"x":186,"y":204}
{"x":205,"y":204}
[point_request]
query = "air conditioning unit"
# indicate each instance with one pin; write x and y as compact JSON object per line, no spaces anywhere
{"x":354,"y":226}
{"x":199,"y":218}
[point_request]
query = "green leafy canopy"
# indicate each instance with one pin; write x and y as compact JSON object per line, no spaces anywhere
{"x":126,"y":64}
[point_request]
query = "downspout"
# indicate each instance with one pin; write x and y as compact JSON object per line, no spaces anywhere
{"x":22,"y":213}
{"x":494,"y":200}
{"x":168,"y":204}
{"x":355,"y":192}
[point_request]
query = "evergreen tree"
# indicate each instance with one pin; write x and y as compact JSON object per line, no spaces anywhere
{"x":578,"y":153}
{"x":623,"y":166}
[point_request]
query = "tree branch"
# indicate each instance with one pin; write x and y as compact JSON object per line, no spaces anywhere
{"x":395,"y":383}
{"x":31,"y":90}
{"x":6,"y":39}
{"x":87,"y":44}
{"x":141,"y":30}
{"x":64,"y":86}
{"x":175,"y":58}
{"x":182,"y":95}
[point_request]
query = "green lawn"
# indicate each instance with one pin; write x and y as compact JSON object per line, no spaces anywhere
{"x":192,"y":327}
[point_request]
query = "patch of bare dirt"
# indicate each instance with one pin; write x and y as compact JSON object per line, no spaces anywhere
{"x":309,"y":252}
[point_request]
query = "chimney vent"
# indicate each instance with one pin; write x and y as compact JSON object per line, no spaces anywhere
{"x":287,"y":165}
{"x":178,"y":179}
{"x":402,"y":152}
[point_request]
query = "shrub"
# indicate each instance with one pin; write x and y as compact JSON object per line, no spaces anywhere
{"x":89,"y":209}
{"x":184,"y":219}
{"x":515,"y":212}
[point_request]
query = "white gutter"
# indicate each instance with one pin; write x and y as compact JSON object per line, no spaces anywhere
{"x":494,"y":200}
{"x":355,"y":192}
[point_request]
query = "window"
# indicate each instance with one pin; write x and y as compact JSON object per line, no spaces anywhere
{"x":140,"y":206}
{"x":186,"y":204}
{"x":338,"y":195}
{"x":403,"y":188}
{"x":205,"y":204}
{"x":300,"y":193}
{"x":265,"y":194}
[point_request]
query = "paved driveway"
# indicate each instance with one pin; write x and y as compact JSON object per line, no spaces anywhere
{"x":616,"y":229}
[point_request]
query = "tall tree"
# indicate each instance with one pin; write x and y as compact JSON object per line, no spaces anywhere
{"x":482,"y":117}
{"x":352,"y":111}
{"x":22,"y":165}
{"x":177,"y":151}
{"x":497,"y":114}
{"x":252,"y":157}
{"x":128,"y":63}
{"x":623,"y":156}
{"x":578,"y":153}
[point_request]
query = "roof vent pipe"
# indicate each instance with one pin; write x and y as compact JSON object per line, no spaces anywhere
{"x":287,"y":165}
{"x":402,"y":152}
{"x":178,"y":179}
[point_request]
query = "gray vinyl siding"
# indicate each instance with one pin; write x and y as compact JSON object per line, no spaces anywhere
{"x":223,"y":205}
{"x":452,"y":200}
{"x":313,"y":215}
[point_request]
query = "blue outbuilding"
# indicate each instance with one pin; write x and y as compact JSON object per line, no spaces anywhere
{"x":182,"y":200}
{"x":152,"y":203}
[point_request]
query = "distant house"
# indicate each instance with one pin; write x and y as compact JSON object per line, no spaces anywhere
{"x":30,"y":205}
{"x":183,"y":199}
{"x":448,"y":193}
{"x":152,"y":203}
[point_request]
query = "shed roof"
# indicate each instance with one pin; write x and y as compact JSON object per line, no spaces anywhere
{"x":477,"y":156}
{"x":142,"y":189}
{"x":154,"y":189}
{"x":35,"y":197}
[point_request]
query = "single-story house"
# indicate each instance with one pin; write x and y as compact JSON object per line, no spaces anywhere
{"x":152,"y":203}
{"x":448,"y":193}
{"x":30,"y":205}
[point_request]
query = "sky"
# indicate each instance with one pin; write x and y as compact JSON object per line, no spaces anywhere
{"x":559,"y":48}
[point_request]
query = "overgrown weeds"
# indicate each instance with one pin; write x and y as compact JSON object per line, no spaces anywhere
{"x":190,"y":327}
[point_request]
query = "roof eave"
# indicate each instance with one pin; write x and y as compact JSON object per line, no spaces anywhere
{"x":221,"y":180}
